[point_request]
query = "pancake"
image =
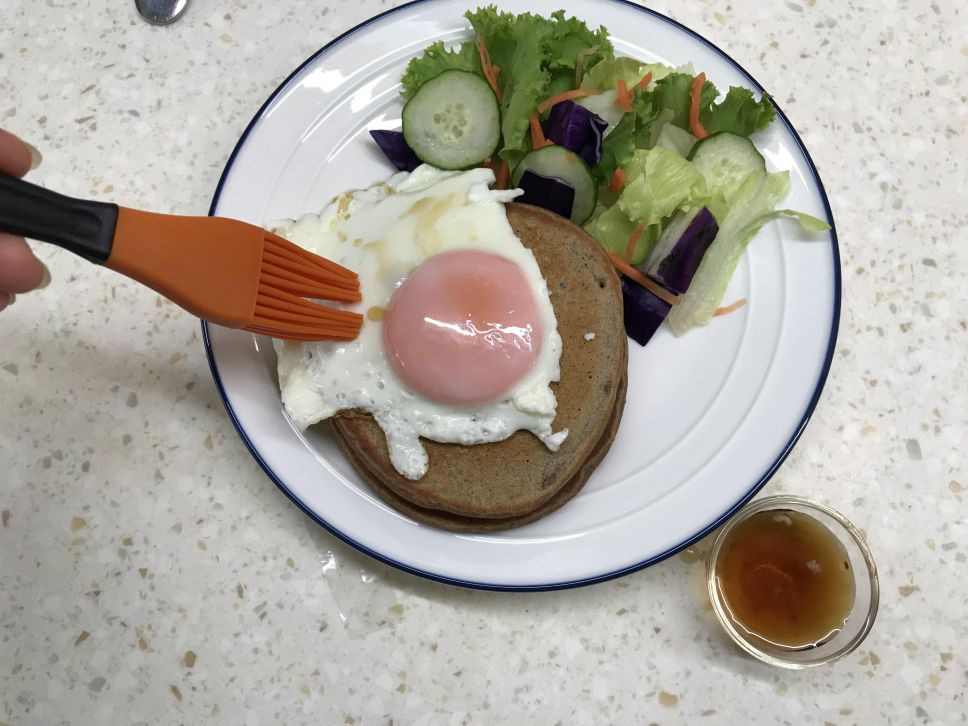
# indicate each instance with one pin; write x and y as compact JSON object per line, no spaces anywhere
{"x":477,"y":525}
{"x":514,"y":477}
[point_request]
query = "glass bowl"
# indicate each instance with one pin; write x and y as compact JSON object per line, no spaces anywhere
{"x":862,"y":614}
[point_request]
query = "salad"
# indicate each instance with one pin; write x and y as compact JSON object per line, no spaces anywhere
{"x":653,"y":162}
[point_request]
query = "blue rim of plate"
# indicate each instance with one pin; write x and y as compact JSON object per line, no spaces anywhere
{"x":764,"y":478}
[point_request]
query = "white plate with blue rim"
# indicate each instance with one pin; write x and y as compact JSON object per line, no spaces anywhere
{"x":709,"y":416}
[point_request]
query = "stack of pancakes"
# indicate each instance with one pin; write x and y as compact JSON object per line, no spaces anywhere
{"x":490,"y":487}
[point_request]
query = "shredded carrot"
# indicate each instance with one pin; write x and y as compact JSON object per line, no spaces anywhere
{"x":633,"y":240}
{"x":580,"y":63}
{"x":482,"y":51}
{"x":491,"y":71}
{"x":694,"y":124}
{"x":502,"y":175}
{"x":492,"y":75}
{"x":624,"y":98}
{"x":565,"y":96}
{"x":618,"y":180}
{"x":538,"y":139}
{"x":630,"y":272}
{"x":485,"y":57}
{"x":644,"y":83}
{"x":731,"y":307}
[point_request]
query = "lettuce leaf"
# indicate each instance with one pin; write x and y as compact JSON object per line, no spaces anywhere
{"x":529,"y":49}
{"x":808,"y":223}
{"x":658,"y":183}
{"x":435,"y":60}
{"x":525,"y":83}
{"x":738,"y":113}
{"x":617,"y":149}
{"x":562,"y":37}
{"x":753,"y":206}
{"x":571,"y":35}
{"x":604,"y":76}
{"x":561,"y":81}
{"x":633,"y":132}
{"x":674,"y":92}
{"x":672,"y":137}
{"x":612,"y":228}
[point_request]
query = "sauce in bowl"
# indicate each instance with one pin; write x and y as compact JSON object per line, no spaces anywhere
{"x":792,"y":582}
{"x":786,"y":579}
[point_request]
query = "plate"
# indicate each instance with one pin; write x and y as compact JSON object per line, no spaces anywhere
{"x":710,"y":416}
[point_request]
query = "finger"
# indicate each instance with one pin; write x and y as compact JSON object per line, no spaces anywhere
{"x":14,"y":155}
{"x":20,"y":271}
{"x":6,"y":300}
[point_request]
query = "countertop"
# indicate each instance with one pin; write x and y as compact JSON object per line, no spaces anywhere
{"x":150,"y":573}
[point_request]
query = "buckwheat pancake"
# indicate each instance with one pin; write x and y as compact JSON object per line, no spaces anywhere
{"x":514,"y":477}
{"x":472,"y":525}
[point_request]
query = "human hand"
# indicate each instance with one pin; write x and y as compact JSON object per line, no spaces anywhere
{"x":20,"y":271}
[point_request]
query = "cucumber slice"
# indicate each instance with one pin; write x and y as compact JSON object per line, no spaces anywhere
{"x":726,"y":159}
{"x":453,"y":120}
{"x":557,"y":161}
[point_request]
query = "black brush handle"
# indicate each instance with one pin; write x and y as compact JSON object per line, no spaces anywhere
{"x":82,"y":227}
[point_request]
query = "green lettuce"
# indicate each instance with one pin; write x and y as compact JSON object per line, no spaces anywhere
{"x":674,"y":92}
{"x":738,"y":113}
{"x":604,"y":76}
{"x":559,"y":38}
{"x":613,"y":229}
{"x":569,"y":36}
{"x":435,"y":60}
{"x":561,"y":81}
{"x":753,"y":206}
{"x":678,"y":140}
{"x":530,"y":50}
{"x":617,"y":149}
{"x":517,"y":46}
{"x":633,"y":132}
{"x":658,"y":182}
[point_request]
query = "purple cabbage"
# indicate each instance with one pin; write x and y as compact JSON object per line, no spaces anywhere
{"x":577,"y":129}
{"x":680,"y":249}
{"x":395,"y":148}
{"x":672,"y":264}
{"x":551,"y":192}
{"x":644,"y":312}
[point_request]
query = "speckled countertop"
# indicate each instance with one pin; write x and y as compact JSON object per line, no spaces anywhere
{"x":151,"y":573}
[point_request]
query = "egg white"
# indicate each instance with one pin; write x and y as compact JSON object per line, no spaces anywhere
{"x":383,"y":233}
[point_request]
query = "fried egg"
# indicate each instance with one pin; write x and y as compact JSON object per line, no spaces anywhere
{"x":459,"y":342}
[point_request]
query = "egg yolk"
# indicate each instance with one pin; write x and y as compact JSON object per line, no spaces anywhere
{"x":463,"y":328}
